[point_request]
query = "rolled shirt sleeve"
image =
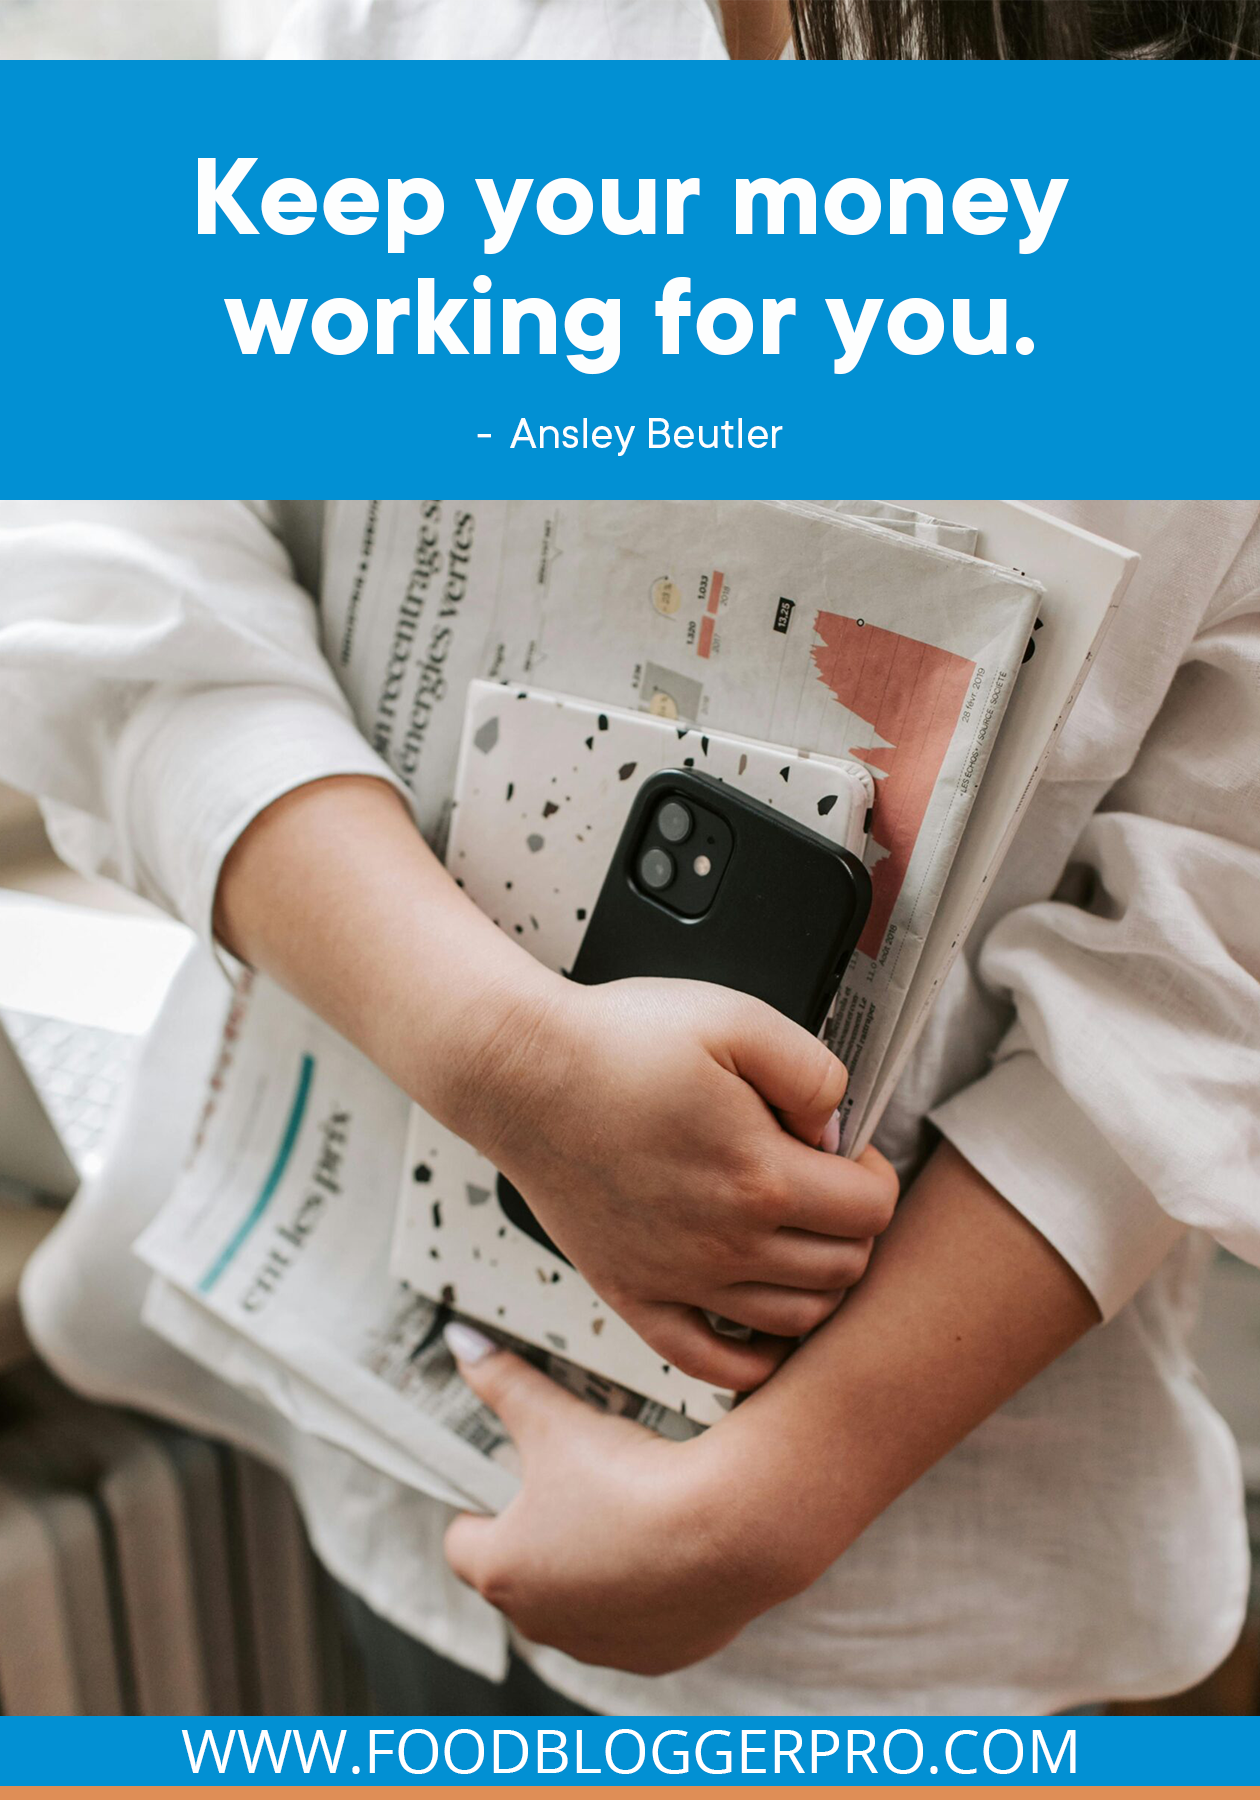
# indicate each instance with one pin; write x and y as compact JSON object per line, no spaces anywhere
{"x":204,"y":763}
{"x":1124,"y":1104}
{"x":1021,"y":1129}
{"x":161,"y":683}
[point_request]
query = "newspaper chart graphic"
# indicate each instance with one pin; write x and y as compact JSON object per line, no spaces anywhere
{"x":877,"y":674}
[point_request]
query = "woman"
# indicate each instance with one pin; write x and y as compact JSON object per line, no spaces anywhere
{"x":955,"y":1496}
{"x":1112,"y":974}
{"x":747,"y":29}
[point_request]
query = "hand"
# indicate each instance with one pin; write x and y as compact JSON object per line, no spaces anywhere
{"x":638,"y":1119}
{"x":624,"y":1549}
{"x":621,"y":1549}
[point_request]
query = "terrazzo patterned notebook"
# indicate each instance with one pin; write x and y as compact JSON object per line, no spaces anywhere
{"x":544,"y":786}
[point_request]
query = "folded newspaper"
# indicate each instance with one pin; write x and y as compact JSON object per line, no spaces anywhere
{"x":877,"y":632}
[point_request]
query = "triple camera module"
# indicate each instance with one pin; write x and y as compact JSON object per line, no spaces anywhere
{"x":683,"y":854}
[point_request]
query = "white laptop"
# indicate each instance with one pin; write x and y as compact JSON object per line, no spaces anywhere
{"x":78,"y":991}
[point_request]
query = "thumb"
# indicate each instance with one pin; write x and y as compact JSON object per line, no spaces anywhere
{"x":529,"y":1403}
{"x":793,"y":1072}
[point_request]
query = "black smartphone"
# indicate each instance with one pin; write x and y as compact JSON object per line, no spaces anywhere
{"x":707,"y":884}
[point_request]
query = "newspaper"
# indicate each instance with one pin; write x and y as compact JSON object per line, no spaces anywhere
{"x":814,"y":627}
{"x":271,"y":1263}
{"x":868,"y":632}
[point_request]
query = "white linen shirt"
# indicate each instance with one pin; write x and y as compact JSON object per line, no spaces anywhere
{"x":1095,"y":1054}
{"x":533,"y":30}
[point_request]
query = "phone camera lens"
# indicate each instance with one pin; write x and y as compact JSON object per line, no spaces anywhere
{"x":656,"y":868}
{"x":674,"y":822}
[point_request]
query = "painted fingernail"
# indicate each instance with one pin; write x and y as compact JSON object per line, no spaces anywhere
{"x":830,"y":1140}
{"x":465,"y":1344}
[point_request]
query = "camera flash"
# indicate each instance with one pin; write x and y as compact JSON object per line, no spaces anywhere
{"x":702,"y":865}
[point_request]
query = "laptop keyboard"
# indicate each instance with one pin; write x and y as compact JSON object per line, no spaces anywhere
{"x":79,"y":1072}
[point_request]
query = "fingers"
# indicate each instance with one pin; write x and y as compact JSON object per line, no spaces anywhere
{"x":834,"y":1195}
{"x":683,"y":1337}
{"x":529,"y":1403}
{"x":793,"y":1072}
{"x":469,"y":1546}
{"x":879,"y":1165}
{"x":813,"y":1261}
{"x":787,"y":1312}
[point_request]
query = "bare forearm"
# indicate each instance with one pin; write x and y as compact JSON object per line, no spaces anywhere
{"x":635,"y":1117}
{"x":628,"y":1551}
{"x":964,"y":1302}
{"x":333,"y":892}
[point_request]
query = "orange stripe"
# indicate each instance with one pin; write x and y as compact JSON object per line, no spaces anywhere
{"x":985,"y":1792}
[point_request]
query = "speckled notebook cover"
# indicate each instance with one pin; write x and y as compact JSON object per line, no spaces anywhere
{"x":544,"y":786}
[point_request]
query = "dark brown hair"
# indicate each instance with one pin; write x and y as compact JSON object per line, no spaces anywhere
{"x":961,"y":30}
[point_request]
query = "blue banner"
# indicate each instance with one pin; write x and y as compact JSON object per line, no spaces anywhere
{"x":540,"y":279}
{"x":634,"y":1752}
